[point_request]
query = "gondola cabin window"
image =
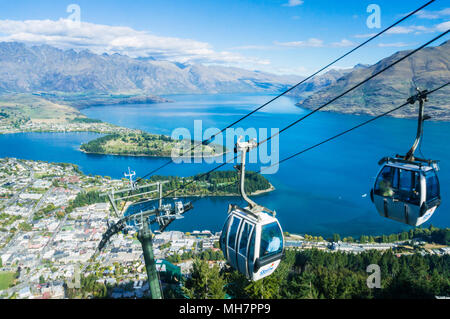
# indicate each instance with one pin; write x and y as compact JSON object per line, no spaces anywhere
{"x":223,"y":237}
{"x":409,"y":186}
{"x":271,"y":240}
{"x":247,"y":228}
{"x":383,"y":185}
{"x":432,"y":186}
{"x":400,"y":184}
{"x":233,"y":231}
{"x":251,"y":248}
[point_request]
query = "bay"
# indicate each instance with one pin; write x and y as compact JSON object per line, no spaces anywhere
{"x":321,"y":192}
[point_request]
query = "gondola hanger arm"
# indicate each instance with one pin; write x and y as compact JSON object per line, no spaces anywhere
{"x":244,"y":148}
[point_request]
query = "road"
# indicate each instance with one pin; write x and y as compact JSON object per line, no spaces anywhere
{"x":50,"y":240}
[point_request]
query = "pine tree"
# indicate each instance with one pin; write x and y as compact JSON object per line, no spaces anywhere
{"x":205,"y":282}
{"x":336,"y":238}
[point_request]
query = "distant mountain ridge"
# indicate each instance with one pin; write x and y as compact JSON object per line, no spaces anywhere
{"x":428,"y":69}
{"x":319,"y":82}
{"x":47,"y":69}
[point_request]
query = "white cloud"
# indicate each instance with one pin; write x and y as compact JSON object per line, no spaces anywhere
{"x":66,"y":34}
{"x":343,"y":43}
{"x":419,"y":29}
{"x":293,"y":3}
{"x":424,"y":14}
{"x":298,"y":70}
{"x":312,"y":43}
{"x":395,"y":45}
{"x":400,"y":30}
{"x":443,"y":26}
{"x":364,"y":36}
{"x":251,"y":47}
{"x":412,"y":29}
{"x":315,"y":43}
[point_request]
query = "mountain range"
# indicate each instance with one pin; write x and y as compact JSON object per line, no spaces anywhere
{"x":83,"y":78}
{"x":44,"y":68}
{"x":427,"y":69}
{"x":324,"y":80}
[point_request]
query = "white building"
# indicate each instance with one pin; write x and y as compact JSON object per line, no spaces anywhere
{"x":42,"y":183}
{"x":32,"y":196}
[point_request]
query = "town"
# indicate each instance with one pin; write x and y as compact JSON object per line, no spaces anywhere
{"x":45,"y":246}
{"x":22,"y":125}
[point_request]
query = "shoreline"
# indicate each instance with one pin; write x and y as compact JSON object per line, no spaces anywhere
{"x":80,"y":131}
{"x":438,"y":119}
{"x":256,"y":193}
{"x":154,"y":156}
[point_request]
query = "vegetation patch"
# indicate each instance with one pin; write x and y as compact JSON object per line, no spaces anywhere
{"x":145,"y":144}
{"x":7,"y":279}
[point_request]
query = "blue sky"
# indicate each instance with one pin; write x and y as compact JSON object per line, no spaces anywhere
{"x":285,"y":36}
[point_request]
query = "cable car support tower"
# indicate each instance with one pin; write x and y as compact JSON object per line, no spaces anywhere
{"x":139,"y":216}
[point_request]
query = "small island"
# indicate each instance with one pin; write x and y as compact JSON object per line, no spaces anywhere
{"x":140,"y":143}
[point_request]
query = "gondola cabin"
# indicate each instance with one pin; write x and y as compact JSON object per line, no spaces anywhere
{"x":252,"y":243}
{"x":406,"y":191}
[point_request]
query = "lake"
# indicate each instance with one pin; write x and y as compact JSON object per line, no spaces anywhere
{"x":321,"y":192}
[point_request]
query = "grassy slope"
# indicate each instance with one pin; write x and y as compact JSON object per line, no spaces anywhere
{"x":27,"y":106}
{"x":6,"y":280}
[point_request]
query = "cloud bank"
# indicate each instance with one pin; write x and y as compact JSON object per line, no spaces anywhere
{"x":67,"y":34}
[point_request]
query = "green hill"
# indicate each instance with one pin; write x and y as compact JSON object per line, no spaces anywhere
{"x":145,"y":144}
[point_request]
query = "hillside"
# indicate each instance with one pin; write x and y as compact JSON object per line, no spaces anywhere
{"x":24,"y":112}
{"x":47,"y":69}
{"x":35,"y":108}
{"x":82,"y":100}
{"x":321,"y":81}
{"x":428,"y":68}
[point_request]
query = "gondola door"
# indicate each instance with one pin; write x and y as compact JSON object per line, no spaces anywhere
{"x":242,"y":254}
{"x":232,"y":240}
{"x":384,"y":191}
{"x":398,"y":210}
{"x":407,"y":196}
{"x":251,"y":254}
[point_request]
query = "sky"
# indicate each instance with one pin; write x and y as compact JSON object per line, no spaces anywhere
{"x":279,"y":36}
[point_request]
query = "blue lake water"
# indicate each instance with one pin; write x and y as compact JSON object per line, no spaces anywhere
{"x":321,"y":192}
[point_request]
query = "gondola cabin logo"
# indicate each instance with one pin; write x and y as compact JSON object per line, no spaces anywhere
{"x":268,"y":270}
{"x":428,"y":215}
